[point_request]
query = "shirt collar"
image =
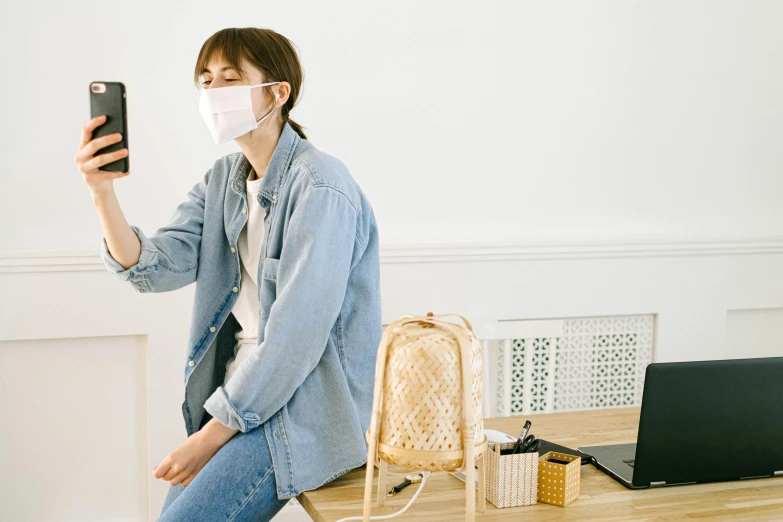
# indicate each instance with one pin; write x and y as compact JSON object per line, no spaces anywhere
{"x":275,"y":171}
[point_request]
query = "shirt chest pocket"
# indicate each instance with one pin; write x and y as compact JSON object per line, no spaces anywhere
{"x":269,"y":270}
{"x":267,"y":287}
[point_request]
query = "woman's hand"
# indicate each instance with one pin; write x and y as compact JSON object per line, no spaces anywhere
{"x":183,"y":464}
{"x":99,"y":181}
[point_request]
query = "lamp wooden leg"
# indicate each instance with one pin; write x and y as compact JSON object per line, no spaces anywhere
{"x":368,"y":480}
{"x":382,"y":482}
{"x":470,"y":482}
{"x":482,"y":485}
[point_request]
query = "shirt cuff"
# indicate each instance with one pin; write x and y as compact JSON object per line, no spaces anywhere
{"x":221,"y":409}
{"x":148,"y":262}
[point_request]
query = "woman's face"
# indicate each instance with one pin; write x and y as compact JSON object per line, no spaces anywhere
{"x":220,"y":74}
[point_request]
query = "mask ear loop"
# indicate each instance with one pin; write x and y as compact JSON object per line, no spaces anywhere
{"x":258,"y":122}
{"x":277,"y":97}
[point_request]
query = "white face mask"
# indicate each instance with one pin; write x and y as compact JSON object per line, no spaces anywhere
{"x":228,"y":111}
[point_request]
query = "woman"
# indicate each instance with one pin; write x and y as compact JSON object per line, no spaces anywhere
{"x":283,"y":246}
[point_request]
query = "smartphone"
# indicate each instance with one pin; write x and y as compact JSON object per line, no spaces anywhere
{"x":108,"y":98}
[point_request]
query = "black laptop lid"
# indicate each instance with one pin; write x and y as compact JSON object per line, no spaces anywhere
{"x":708,"y":421}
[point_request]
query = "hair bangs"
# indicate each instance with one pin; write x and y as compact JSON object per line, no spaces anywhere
{"x":227,"y":44}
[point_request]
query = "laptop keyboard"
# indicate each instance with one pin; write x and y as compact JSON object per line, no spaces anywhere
{"x":629,"y":462}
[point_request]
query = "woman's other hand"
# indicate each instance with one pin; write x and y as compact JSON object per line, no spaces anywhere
{"x":183,"y":464}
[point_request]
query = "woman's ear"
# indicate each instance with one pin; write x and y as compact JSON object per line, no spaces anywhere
{"x":284,"y":91}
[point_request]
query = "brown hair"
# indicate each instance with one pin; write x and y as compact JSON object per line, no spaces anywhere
{"x":271,"y":52}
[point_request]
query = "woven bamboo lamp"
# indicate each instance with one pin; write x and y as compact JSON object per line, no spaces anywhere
{"x":427,"y":413}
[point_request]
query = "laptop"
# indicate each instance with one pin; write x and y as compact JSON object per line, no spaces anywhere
{"x":703,"y":421}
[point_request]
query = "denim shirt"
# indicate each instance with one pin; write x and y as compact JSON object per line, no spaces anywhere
{"x":309,"y":383}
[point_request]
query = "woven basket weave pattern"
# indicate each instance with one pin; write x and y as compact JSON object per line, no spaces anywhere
{"x":422,"y":399}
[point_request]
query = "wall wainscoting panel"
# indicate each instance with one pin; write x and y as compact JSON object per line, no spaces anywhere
{"x":74,"y":441}
{"x":574,"y":310}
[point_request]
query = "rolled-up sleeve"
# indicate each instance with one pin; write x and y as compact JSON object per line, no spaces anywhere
{"x":312,"y":278}
{"x":136,"y":274}
{"x":169,"y":258}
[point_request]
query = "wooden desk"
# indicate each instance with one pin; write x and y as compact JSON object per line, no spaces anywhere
{"x":601,"y":498}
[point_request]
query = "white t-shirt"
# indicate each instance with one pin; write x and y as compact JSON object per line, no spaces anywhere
{"x":246,"y":308}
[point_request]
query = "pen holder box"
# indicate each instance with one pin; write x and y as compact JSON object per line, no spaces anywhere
{"x":511,"y":480}
{"x":558,"y":483}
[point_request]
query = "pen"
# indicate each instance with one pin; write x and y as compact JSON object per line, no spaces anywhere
{"x":522,"y":436}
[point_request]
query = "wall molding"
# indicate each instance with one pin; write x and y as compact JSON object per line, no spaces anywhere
{"x":553,"y":250}
{"x":81,"y":260}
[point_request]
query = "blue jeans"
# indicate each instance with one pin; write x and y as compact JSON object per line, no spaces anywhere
{"x":236,"y":485}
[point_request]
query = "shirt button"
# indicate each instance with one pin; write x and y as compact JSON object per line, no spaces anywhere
{"x":235,"y":289}
{"x":244,"y":210}
{"x":211,"y":328}
{"x":274,"y":197}
{"x":192,"y":363}
{"x":233,"y":250}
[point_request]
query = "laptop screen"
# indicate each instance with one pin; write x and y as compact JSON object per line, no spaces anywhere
{"x":708,"y":421}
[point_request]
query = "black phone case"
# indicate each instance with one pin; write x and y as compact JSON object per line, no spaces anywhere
{"x":112,"y":104}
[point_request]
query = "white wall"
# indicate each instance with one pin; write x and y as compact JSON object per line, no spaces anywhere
{"x":483,"y":120}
